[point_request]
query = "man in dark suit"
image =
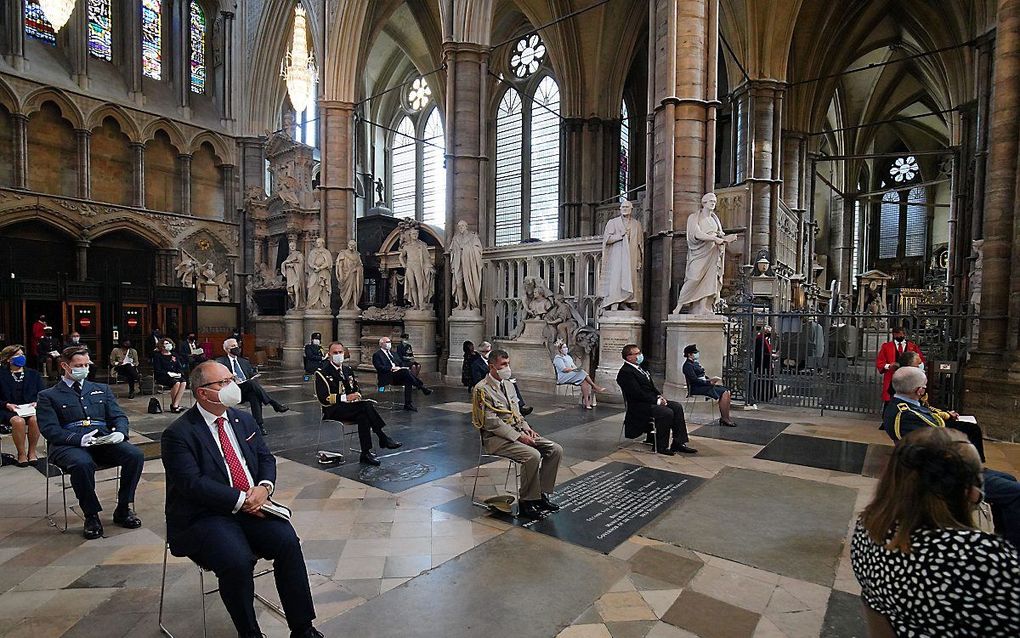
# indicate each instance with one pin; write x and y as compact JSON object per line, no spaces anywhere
{"x":251,"y":391}
{"x":336,"y":387}
{"x":219,"y":473}
{"x":700,"y":384}
{"x":645,"y":403}
{"x":74,"y":417}
{"x":392,"y":373}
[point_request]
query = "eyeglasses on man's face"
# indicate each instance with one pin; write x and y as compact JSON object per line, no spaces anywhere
{"x":221,"y":382}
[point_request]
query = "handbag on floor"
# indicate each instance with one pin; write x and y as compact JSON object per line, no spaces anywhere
{"x":154,"y":406}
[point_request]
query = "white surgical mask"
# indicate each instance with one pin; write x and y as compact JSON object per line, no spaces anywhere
{"x":640,"y":358}
{"x":79,"y":374}
{"x":168,"y":346}
{"x":504,"y":373}
{"x":316,"y":342}
{"x":75,"y":339}
{"x":229,"y":395}
{"x":564,"y":349}
{"x":337,"y":359}
{"x":387,"y":345}
{"x":697,"y":356}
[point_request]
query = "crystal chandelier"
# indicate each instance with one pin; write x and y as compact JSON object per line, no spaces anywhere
{"x":57,"y":12}
{"x":298,"y":68}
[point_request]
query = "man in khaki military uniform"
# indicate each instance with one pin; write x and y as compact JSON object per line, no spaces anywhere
{"x":495,"y":411}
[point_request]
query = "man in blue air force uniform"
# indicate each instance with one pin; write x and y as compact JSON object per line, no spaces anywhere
{"x":85,"y":427}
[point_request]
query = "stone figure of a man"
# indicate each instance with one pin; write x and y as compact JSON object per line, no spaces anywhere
{"x":418,"y":270}
{"x":706,"y":250}
{"x":320,"y":276}
{"x":293,"y":269}
{"x":623,"y":251}
{"x":350,"y":276}
{"x":466,"y":258}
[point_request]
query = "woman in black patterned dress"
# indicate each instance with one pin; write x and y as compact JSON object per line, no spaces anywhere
{"x":924,"y":569}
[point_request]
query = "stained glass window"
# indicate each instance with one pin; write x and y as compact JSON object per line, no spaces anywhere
{"x":509,"y":148}
{"x":402,"y":180}
{"x":545,"y":161}
{"x":889,"y":226}
{"x":198,"y":32}
{"x":36,"y":24}
{"x":152,"y":39}
{"x":916,"y":223}
{"x":434,"y":172}
{"x":100,"y":34}
{"x":624,"y":148}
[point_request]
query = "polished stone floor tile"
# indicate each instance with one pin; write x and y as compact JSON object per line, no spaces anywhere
{"x":710,"y":618}
{"x":753,"y":431}
{"x":828,"y":454}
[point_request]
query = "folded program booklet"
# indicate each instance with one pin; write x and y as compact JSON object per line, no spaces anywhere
{"x":25,"y":410}
{"x":275,"y":509}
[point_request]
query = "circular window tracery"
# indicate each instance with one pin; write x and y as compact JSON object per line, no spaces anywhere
{"x":419,"y":94}
{"x":527,"y":56}
{"x":904,"y":169}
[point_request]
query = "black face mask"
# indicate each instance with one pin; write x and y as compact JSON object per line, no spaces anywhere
{"x":235,"y":351}
{"x":899,"y":339}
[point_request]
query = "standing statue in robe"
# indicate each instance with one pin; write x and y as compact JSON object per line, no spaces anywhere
{"x":293,"y":269}
{"x":418,"y":270}
{"x":466,"y":258}
{"x":350,"y":276}
{"x":623,"y":251}
{"x":706,"y":250}
{"x":320,"y":276}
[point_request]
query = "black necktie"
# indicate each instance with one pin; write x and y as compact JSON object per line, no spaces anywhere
{"x":77,"y":388}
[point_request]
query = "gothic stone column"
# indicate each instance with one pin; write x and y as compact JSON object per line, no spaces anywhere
{"x":759,"y":159}
{"x":84,"y":138}
{"x":184,"y":164}
{"x":337,"y":175}
{"x":138,"y":158}
{"x":20,"y":150}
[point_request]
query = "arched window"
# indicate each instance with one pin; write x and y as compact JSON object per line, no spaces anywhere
{"x":402,"y":180}
{"x":545,"y":161}
{"x":434,"y":172}
{"x":152,"y":39}
{"x":198,"y":35}
{"x":36,"y":24}
{"x":624,"y":148}
{"x":100,"y":34}
{"x":509,"y":141}
{"x":889,"y":226}
{"x":916,"y":223}
{"x":306,"y":124}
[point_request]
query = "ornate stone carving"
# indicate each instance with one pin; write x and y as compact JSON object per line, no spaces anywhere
{"x":187,"y":270}
{"x":419,"y":273}
{"x":293,"y":269}
{"x":390,"y":312}
{"x":706,"y":251}
{"x":266,"y":277}
{"x":320,"y":277}
{"x":466,"y":261}
{"x":622,"y":259}
{"x":537,"y":298}
{"x":350,"y":276}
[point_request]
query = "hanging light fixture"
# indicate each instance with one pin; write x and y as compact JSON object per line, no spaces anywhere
{"x":57,"y":12}
{"x":298,"y":68}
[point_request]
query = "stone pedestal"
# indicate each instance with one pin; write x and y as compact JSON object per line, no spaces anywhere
{"x":530,"y":359}
{"x":420,"y":326}
{"x":617,"y":328}
{"x":318,"y":320}
{"x":464,"y":325}
{"x":294,"y":339}
{"x":708,"y":332}
{"x":348,"y":332}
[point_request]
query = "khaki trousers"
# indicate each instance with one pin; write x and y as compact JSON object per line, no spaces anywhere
{"x":538,"y":464}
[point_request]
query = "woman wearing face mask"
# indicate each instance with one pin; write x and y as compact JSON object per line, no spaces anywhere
{"x":314,"y":355}
{"x":19,"y":386}
{"x":923,"y":567}
{"x":169,"y":372}
{"x":567,"y":372}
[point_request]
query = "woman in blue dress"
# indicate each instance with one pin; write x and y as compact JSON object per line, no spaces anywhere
{"x":567,"y":372}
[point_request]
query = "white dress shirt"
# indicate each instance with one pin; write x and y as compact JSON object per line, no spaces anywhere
{"x":210,"y":422}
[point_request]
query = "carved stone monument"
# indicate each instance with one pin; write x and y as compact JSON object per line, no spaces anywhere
{"x":465,"y":322}
{"x":318,"y":315}
{"x":293,"y":270}
{"x":622,"y":260}
{"x":419,"y":273}
{"x":350,"y":276}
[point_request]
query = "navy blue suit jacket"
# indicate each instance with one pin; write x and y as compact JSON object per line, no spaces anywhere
{"x":57,"y":409}
{"x":197,"y":479}
{"x":32,"y":385}
{"x":479,"y":368}
{"x":383,"y":367}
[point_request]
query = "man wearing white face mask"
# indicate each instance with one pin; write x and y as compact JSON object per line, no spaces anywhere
{"x":85,"y":427}
{"x":219,"y":474}
{"x":336,"y":387}
{"x":252,"y":391}
{"x":504,"y":432}
{"x":645,"y":403}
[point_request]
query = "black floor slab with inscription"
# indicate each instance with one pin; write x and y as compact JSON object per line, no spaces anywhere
{"x":604,"y":507}
{"x":844,"y":617}
{"x":753,"y":431}
{"x":827,"y":454}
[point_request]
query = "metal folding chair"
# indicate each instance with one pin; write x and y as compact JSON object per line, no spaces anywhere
{"x":64,"y":487}
{"x":513,"y":466}
{"x":623,"y":428}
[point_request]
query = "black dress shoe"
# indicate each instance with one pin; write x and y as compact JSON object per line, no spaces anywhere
{"x":649,"y":439}
{"x":531,"y":509}
{"x":390,"y":444}
{"x":279,"y":407}
{"x":131,"y":395}
{"x":526,"y":410}
{"x":666,"y":452}
{"x":263,"y":431}
{"x":93,"y":527}
{"x":410,"y":408}
{"x":426,"y":391}
{"x":369,"y":459}
{"x":311,"y":632}
{"x":548,"y":505}
{"x":684,"y":449}
{"x":126,"y":518}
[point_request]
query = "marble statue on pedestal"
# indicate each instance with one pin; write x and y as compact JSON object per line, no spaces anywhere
{"x":466,"y":259}
{"x":706,"y":250}
{"x":320,"y":277}
{"x":187,"y":270}
{"x":418,"y":270}
{"x":561,"y":323}
{"x":350,"y":276}
{"x":622,"y":259}
{"x":293,"y":269}
{"x":537,"y":297}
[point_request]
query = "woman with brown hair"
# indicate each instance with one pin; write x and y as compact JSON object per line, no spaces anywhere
{"x":19,"y":386}
{"x":923,"y":568}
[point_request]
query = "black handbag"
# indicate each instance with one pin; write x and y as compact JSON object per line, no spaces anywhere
{"x":154,"y":406}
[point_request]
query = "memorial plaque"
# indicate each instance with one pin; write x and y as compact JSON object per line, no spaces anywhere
{"x":605,"y":507}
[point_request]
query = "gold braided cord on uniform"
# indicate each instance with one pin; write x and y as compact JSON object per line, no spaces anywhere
{"x":479,"y":405}
{"x":942,"y":414}
{"x":905,"y":407}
